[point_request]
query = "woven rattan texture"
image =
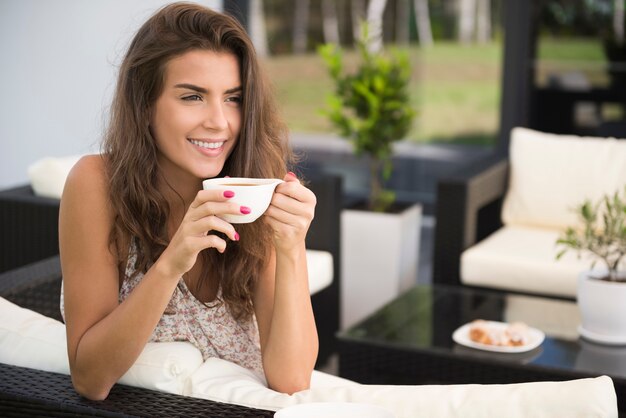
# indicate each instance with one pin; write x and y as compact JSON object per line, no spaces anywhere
{"x":31,"y":393}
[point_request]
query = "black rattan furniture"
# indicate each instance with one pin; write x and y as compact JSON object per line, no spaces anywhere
{"x":29,"y":232}
{"x":34,"y":393}
{"x":468,"y":210}
{"x":409,"y":341}
{"x":28,"y":227}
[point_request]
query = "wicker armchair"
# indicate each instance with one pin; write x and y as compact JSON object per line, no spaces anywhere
{"x":34,"y":393}
{"x":29,"y":232}
{"x":468,"y":210}
{"x":28,"y":227}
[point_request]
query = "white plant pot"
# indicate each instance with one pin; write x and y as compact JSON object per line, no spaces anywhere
{"x":379,"y":255}
{"x":603,"y":309}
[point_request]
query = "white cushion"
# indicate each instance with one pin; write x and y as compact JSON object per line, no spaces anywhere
{"x":47,"y":175}
{"x":221,"y":381}
{"x":523,"y":259}
{"x":320,"y":268}
{"x":29,"y":339}
{"x":552,"y":174}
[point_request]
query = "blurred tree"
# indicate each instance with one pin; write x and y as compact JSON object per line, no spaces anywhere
{"x":330,"y":22}
{"x":375,"y":10}
{"x":474,"y":21}
{"x":403,"y":21}
{"x":422,"y":19}
{"x":300,"y":26}
{"x":358,"y":15}
{"x":467,"y":21}
{"x":483,"y":21}
{"x":256,"y":29}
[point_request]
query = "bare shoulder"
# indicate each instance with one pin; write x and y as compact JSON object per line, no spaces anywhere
{"x":88,"y":173}
{"x":86,"y":215}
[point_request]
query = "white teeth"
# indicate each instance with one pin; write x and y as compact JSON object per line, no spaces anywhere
{"x":209,"y":145}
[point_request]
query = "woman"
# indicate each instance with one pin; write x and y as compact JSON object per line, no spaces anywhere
{"x":145,"y":256}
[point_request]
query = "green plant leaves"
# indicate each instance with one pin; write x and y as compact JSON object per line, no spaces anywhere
{"x":371,"y":106}
{"x":604,"y":237}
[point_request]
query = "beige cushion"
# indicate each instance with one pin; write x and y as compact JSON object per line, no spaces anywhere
{"x":552,"y":174}
{"x":523,"y":259}
{"x":222,"y":381}
{"x":320,"y":269}
{"x":47,"y":176}
{"x":29,"y":339}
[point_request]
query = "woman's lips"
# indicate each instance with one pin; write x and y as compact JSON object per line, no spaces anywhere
{"x":210,"y":148}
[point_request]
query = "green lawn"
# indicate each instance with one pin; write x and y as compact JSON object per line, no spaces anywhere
{"x":455,"y":88}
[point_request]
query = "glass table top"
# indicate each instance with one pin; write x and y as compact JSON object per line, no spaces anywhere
{"x":424,"y":318}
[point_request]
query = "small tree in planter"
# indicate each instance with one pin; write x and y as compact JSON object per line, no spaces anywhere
{"x":601,"y":299}
{"x":606,"y":241}
{"x":372,"y":108}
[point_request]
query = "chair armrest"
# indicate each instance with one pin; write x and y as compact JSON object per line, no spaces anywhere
{"x":324,"y":235}
{"x":468,"y":209}
{"x":30,"y":392}
{"x":29,"y":226}
{"x":36,"y":286}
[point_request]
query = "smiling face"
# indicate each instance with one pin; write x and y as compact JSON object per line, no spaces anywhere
{"x":197,"y":118}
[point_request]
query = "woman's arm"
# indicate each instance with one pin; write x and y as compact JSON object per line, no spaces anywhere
{"x":282,"y":299}
{"x":104,"y":337}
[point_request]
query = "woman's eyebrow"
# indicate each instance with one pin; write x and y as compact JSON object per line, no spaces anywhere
{"x":203,"y":90}
{"x":191,"y":87}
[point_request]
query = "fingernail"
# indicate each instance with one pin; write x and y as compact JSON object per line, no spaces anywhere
{"x":226,"y":177}
{"x":236,"y":236}
{"x":229,"y":193}
{"x":293,"y":174}
{"x":245,"y":210}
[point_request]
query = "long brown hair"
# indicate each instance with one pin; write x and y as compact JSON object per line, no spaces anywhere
{"x":141,"y":211}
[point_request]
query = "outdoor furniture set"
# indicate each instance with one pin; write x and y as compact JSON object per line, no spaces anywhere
{"x":170,"y":380}
{"x":498,"y":221}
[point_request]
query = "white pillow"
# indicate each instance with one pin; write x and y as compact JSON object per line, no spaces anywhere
{"x":552,"y":174}
{"x":222,"y":381}
{"x":47,"y":175}
{"x":320,"y":269}
{"x":29,"y":339}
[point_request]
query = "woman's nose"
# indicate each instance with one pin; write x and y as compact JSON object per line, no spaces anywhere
{"x":216,"y":118}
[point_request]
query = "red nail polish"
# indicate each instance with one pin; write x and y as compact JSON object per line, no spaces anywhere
{"x":245,"y":210}
{"x":229,"y":193}
{"x":236,"y":236}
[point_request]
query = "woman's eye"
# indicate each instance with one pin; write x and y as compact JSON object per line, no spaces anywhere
{"x":235,"y":99}
{"x":192,"y":98}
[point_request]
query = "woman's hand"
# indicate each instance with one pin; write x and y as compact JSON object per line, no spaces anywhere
{"x":192,"y":236}
{"x":290,"y":213}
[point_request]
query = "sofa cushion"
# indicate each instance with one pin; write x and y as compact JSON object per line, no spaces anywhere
{"x":221,"y":381}
{"x":47,"y":175}
{"x":320,"y":269}
{"x":552,"y":174}
{"x":523,"y":259}
{"x":29,"y":339}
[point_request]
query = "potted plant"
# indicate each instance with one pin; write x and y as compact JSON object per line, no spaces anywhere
{"x":601,"y":292}
{"x":371,"y":107}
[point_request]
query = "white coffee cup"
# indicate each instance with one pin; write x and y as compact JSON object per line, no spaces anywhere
{"x":255,"y":194}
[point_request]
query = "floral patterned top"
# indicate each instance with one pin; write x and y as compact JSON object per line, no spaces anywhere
{"x":210,"y":327}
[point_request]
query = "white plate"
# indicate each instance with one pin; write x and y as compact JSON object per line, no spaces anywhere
{"x":334,"y":410}
{"x":535,"y":338}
